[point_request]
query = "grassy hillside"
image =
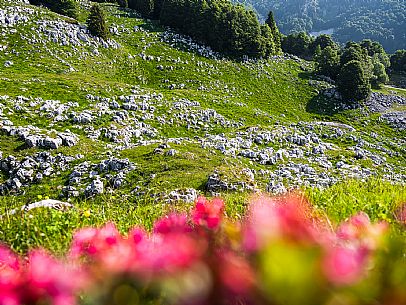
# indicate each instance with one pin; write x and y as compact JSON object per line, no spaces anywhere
{"x":179,"y":113}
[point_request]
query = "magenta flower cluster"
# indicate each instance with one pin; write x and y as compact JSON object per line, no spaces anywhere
{"x":282,"y":252}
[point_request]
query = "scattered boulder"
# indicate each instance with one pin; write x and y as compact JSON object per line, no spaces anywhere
{"x":96,"y":187}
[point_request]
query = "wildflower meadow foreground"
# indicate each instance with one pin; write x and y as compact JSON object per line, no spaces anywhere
{"x":281,"y":253}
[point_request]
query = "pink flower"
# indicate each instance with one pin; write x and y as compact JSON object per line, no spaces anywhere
{"x":10,"y":277}
{"x":344,"y":266}
{"x":173,"y":252}
{"x":83,"y":242}
{"x":8,"y":259}
{"x":137,"y":235}
{"x":360,"y":232}
{"x":172,"y":223}
{"x":49,"y":279}
{"x":354,"y":227}
{"x":208,"y":214}
{"x":281,"y":218}
{"x":92,"y":242}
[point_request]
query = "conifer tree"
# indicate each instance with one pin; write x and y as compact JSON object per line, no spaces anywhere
{"x":96,"y":22}
{"x":63,"y":7}
{"x":323,"y":41}
{"x":379,"y":73}
{"x":352,"y":82}
{"x":297,"y":44}
{"x":268,"y":42}
{"x":277,"y":37}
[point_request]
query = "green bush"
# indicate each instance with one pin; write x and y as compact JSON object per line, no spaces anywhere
{"x":398,"y":61}
{"x":352,"y":82}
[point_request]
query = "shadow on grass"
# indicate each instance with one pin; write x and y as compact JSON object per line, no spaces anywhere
{"x":306,"y":75}
{"x":128,"y":13}
{"x":323,"y":105}
{"x":150,"y":25}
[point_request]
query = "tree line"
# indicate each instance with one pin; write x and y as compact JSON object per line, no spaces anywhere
{"x":355,"y":67}
{"x":229,"y":29}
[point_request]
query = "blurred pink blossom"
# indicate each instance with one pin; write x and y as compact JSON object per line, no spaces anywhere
{"x":343,"y":265}
{"x":91,"y":242}
{"x":10,"y":277}
{"x":236,"y":274}
{"x":172,"y":223}
{"x":289,"y":217}
{"x":47,"y":279}
{"x":208,"y":214}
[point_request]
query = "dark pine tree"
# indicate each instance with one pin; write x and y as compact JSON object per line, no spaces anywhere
{"x":63,"y":7}
{"x":277,"y":37}
{"x":144,"y":7}
{"x":96,"y":22}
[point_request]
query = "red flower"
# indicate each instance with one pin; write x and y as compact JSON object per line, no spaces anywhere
{"x":172,"y":223}
{"x":92,"y":242}
{"x":287,"y":218}
{"x":208,"y":214}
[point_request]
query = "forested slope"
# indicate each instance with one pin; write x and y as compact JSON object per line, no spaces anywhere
{"x":381,"y":20}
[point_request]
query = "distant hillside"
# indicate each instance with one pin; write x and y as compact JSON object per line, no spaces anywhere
{"x":381,"y":20}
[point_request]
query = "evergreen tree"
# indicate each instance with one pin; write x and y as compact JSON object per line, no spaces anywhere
{"x":36,"y":2}
{"x":352,"y":82}
{"x":96,"y":22}
{"x":372,"y":47}
{"x":157,"y":8}
{"x":328,"y":62}
{"x":354,"y":51}
{"x":350,"y":53}
{"x":376,"y":51}
{"x":268,"y":41}
{"x":63,"y":7}
{"x":277,"y":37}
{"x":227,"y":28}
